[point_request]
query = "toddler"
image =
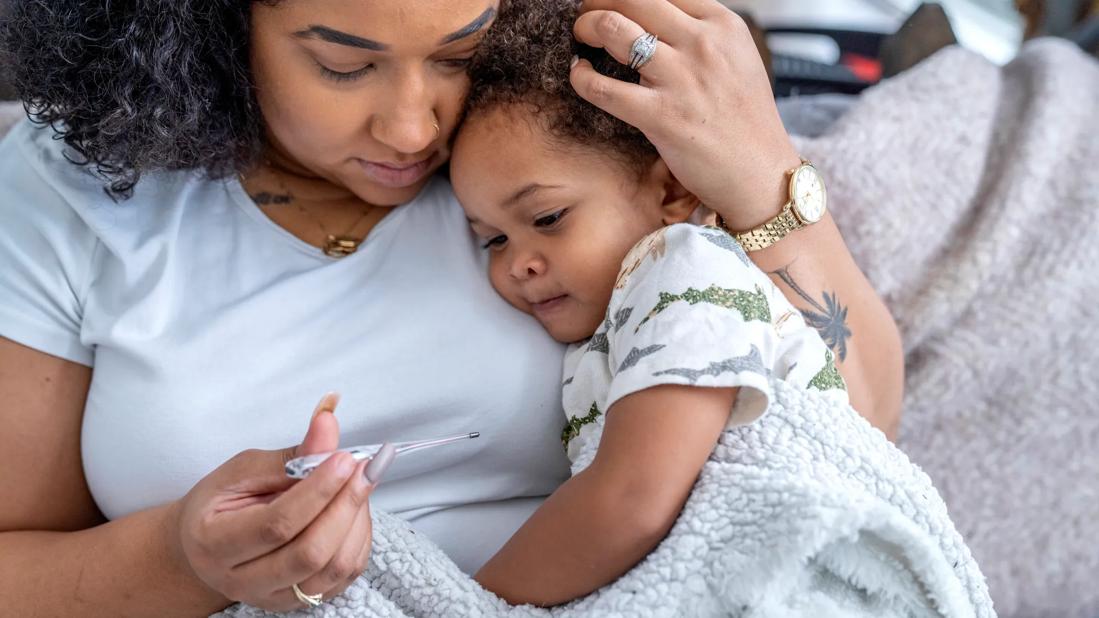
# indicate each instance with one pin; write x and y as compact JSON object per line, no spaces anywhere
{"x":675,"y":334}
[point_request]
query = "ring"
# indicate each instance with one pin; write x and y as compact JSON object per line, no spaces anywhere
{"x":311,"y":600}
{"x":642,"y":51}
{"x":435,"y":123}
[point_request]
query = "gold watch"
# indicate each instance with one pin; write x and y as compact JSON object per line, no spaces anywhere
{"x":807,"y":204}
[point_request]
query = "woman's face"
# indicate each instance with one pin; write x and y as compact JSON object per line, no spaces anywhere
{"x":351,"y":90}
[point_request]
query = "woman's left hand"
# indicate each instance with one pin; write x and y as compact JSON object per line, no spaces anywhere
{"x":704,"y":100}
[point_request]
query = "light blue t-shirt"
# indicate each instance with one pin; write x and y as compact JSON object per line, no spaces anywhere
{"x":211,"y":330}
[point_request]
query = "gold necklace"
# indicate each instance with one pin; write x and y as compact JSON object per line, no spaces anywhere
{"x":335,"y":245}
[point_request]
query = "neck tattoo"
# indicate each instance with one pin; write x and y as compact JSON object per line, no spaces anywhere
{"x":335,"y":245}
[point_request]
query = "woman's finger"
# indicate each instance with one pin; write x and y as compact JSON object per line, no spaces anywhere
{"x":246,"y":534}
{"x":349,"y":561}
{"x":324,"y":430}
{"x":315,"y":546}
{"x":617,"y":34}
{"x":631,"y":103}
{"x":660,"y":17}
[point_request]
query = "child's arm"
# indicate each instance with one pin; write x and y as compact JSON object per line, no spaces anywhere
{"x":603,"y":521}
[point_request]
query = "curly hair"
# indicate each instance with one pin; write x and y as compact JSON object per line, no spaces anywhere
{"x":524,"y":59}
{"x":135,"y":86}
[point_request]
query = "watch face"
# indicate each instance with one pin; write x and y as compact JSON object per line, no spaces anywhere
{"x":810,"y":198}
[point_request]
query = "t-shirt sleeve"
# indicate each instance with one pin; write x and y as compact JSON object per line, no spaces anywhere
{"x":690,"y":308}
{"x":46,"y":253}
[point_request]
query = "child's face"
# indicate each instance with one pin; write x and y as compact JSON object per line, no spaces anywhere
{"x":557,"y":221}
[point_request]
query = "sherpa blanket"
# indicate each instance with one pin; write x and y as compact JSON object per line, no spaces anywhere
{"x":969,"y":195}
{"x":809,"y":512}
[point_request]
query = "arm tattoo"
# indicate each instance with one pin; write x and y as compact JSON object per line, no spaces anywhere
{"x":267,"y":199}
{"x":830,"y":320}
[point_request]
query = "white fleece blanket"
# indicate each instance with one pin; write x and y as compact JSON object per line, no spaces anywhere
{"x":810,"y":512}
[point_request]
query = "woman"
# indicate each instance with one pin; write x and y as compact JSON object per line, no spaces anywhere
{"x":257,"y":256}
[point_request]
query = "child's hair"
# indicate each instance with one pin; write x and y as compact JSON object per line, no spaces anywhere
{"x":524,"y":60}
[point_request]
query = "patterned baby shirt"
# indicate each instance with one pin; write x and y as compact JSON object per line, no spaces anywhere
{"x":689,"y":307}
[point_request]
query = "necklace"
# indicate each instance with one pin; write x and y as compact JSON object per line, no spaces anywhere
{"x":335,"y":245}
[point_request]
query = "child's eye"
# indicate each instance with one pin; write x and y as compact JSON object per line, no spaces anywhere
{"x":458,"y":64}
{"x":495,"y":242}
{"x":549,"y":220}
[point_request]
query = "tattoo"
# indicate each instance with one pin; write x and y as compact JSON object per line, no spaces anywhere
{"x":830,"y":320}
{"x":267,"y":199}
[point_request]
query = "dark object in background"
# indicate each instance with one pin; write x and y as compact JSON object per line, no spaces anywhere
{"x":858,"y":67}
{"x":924,"y":32}
{"x":7,"y":93}
{"x":1076,"y":20}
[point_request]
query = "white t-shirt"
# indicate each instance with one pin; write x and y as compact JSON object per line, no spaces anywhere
{"x":212,"y":330}
{"x":690,"y":308}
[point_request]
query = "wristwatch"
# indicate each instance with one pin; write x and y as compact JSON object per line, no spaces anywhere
{"x":807,"y":204}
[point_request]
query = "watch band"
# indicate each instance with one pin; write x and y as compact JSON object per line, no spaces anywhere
{"x":768,"y":233}
{"x":774,"y":230}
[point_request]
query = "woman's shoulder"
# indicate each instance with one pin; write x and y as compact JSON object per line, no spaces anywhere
{"x":42,"y":187}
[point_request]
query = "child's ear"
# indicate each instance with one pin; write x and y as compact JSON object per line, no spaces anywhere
{"x":677,"y":203}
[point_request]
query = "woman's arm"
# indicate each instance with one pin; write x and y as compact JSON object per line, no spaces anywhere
{"x":244,"y":532}
{"x":816,"y":272}
{"x":603,"y":521}
{"x":57,"y":556}
{"x":705,"y":102}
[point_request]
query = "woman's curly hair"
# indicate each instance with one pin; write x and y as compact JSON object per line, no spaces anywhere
{"x":135,"y":86}
{"x":525,"y":59}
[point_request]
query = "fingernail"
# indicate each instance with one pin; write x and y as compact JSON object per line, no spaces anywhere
{"x":574,"y":60}
{"x":327,"y":403}
{"x":379,"y":463}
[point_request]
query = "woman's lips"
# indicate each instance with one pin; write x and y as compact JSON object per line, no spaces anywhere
{"x":397,"y":176}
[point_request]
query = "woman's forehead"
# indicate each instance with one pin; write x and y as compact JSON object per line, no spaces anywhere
{"x":384,"y":25}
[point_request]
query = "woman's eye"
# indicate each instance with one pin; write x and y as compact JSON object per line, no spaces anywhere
{"x":495,"y":242}
{"x":549,"y":220}
{"x":339,"y":76}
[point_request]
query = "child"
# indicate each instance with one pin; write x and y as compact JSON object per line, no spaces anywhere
{"x":675,"y":333}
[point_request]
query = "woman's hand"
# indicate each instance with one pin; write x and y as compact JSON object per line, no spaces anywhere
{"x":704,"y":100}
{"x":250,"y":533}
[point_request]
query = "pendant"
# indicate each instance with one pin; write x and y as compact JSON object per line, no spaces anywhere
{"x":340,"y":246}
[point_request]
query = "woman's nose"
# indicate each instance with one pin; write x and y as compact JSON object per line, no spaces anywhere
{"x":407,"y":124}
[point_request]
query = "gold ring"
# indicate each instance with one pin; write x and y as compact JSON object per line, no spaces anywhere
{"x":311,"y":600}
{"x":435,"y":123}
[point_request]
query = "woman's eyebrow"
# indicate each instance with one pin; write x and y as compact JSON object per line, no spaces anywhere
{"x":329,"y":35}
{"x":472,"y":28}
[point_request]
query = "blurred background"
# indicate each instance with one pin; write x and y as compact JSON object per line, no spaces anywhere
{"x":843,"y":46}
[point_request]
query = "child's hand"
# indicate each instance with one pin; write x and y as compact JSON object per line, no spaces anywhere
{"x":704,"y":100}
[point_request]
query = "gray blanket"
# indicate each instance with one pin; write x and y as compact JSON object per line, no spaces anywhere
{"x":969,"y":194}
